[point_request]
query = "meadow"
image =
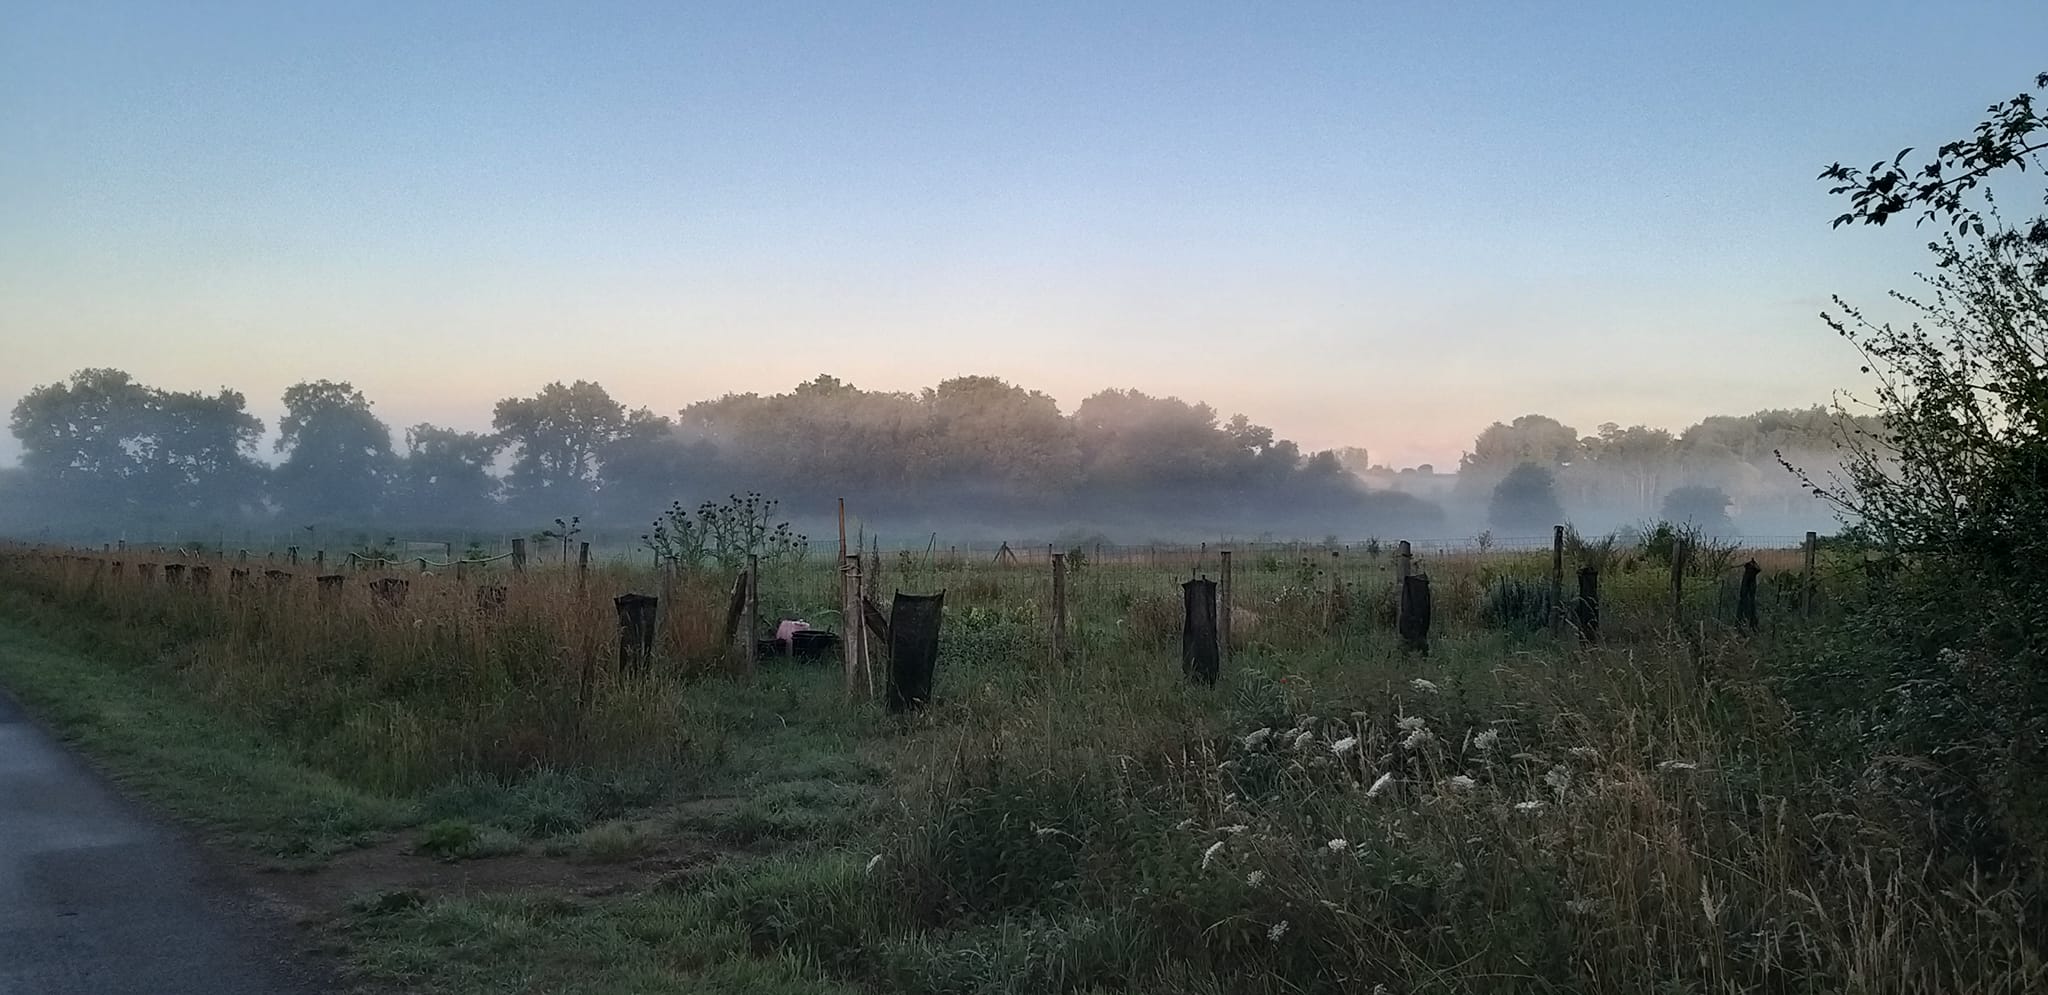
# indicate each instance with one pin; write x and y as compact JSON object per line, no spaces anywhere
{"x":1518,"y":810}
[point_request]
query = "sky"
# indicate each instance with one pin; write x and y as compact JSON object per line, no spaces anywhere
{"x":1361,"y":223}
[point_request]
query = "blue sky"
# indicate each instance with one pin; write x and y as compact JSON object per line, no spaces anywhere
{"x":1361,"y":223}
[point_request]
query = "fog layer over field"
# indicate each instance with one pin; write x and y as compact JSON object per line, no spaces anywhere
{"x":971,"y":460}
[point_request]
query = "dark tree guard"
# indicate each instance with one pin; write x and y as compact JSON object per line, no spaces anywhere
{"x":391,"y":590}
{"x":1415,"y":608}
{"x":1745,"y":596}
{"x":913,"y":648}
{"x":1200,"y":659}
{"x":490,"y":600}
{"x":637,"y":617}
{"x":1586,"y":608}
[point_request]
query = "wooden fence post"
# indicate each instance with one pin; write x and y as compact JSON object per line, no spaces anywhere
{"x":1404,"y":565}
{"x":1223,"y":607}
{"x":1806,"y":584}
{"x":853,"y":641}
{"x":1059,"y":608}
{"x":1586,"y":610}
{"x":291,"y":555}
{"x":583,"y":568}
{"x":1557,"y":580}
{"x":753,"y":613}
{"x":1681,"y":550}
{"x":1333,"y":614}
{"x":519,"y":556}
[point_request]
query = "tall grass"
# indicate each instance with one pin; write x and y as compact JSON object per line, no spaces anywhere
{"x":1507,"y":814}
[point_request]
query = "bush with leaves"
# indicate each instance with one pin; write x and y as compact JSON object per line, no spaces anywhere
{"x":1951,"y":656}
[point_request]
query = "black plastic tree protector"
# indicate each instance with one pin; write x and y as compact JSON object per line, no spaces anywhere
{"x":1414,"y":614}
{"x":637,"y":614}
{"x":913,"y":648}
{"x":1199,"y":658}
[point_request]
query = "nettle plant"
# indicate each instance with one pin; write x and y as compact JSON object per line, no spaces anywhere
{"x":724,"y":534}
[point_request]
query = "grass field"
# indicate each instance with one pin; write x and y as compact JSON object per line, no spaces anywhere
{"x":467,"y":802}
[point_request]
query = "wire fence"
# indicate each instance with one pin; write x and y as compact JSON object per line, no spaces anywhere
{"x":1117,"y":600}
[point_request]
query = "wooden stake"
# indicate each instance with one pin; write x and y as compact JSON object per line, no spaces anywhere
{"x":1059,"y":607}
{"x":1806,"y":584}
{"x":1680,"y":550}
{"x":1223,"y":606}
{"x":1557,"y":580}
{"x":853,"y":630}
{"x":752,"y":623}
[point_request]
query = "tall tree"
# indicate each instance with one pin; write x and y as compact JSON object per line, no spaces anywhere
{"x":84,"y":442}
{"x":202,"y":455}
{"x":338,"y":458}
{"x":446,"y":475}
{"x":558,"y":438}
{"x":1537,"y":439}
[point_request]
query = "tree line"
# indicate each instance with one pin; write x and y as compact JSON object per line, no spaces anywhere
{"x":1535,"y":471}
{"x":103,"y":449}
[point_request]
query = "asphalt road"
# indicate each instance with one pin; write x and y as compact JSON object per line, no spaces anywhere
{"x":98,"y":897}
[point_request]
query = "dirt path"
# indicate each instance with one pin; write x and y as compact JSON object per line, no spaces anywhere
{"x":98,"y":897}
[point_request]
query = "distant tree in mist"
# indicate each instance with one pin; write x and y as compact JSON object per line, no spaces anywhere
{"x":1525,"y":501}
{"x":1536,"y":439}
{"x":1636,"y":458}
{"x":84,"y":440}
{"x":558,"y":439}
{"x":1701,"y":506}
{"x":202,"y":460}
{"x":103,"y":444}
{"x":338,"y":460}
{"x":446,"y":475}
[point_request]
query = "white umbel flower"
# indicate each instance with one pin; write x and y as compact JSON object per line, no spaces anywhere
{"x":1486,"y":740}
{"x":1343,"y":747}
{"x":1255,"y":878}
{"x":1463,"y":783}
{"x":1529,"y":806}
{"x":1276,"y":931}
{"x":1257,"y":739}
{"x":1426,"y":687}
{"x":1338,"y":845}
{"x":1385,"y":781}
